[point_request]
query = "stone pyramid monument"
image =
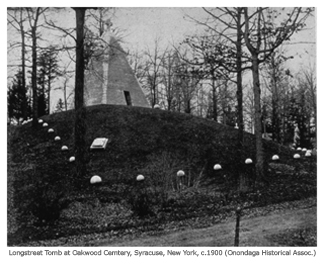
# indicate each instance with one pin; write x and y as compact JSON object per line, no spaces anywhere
{"x":109,"y":78}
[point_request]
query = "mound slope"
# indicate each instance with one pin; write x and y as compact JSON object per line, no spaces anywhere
{"x":136,"y":135}
{"x":152,"y":142}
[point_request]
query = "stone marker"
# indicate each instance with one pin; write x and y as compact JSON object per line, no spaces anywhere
{"x":99,"y":143}
{"x":45,"y":124}
{"x":180,"y":173}
{"x":299,"y":149}
{"x":296,"y":156}
{"x":64,"y":148}
{"x":50,"y":130}
{"x":72,"y":159}
{"x":40,"y":121}
{"x":217,"y":167}
{"x":248,"y":161}
{"x":275,"y":157}
{"x":57,"y":138}
{"x":140,"y":177}
{"x":95,"y":179}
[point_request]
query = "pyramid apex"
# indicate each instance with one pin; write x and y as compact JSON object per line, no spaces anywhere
{"x":108,"y":24}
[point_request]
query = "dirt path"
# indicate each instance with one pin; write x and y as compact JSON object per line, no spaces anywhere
{"x":257,"y":231}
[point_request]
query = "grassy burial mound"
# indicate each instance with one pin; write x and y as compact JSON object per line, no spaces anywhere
{"x":45,"y":201}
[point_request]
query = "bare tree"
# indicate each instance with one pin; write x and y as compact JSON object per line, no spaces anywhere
{"x":227,"y":23}
{"x":96,"y":19}
{"x":206,"y":61}
{"x":17,"y":18}
{"x":248,"y":104}
{"x":153,"y":66}
{"x":275,"y":76}
{"x":66,"y":79}
{"x":33,"y":17}
{"x":80,"y":110}
{"x":311,"y":93}
{"x":170,"y":79}
{"x":188,"y":84}
{"x":227,"y":99}
{"x":262,"y":38}
{"x":137,"y":63}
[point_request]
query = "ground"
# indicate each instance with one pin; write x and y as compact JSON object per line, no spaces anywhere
{"x":48,"y":205}
{"x":276,"y":229}
{"x":286,"y":224}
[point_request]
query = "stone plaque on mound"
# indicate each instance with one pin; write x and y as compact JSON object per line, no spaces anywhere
{"x":99,"y":143}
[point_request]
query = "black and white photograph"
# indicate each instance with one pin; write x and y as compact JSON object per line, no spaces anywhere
{"x":162,"y":127}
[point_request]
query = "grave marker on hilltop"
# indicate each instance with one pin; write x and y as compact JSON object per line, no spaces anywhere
{"x":109,"y":79}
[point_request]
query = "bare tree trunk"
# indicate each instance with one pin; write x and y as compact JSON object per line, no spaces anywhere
{"x":23,"y":65}
{"x":275,"y":115}
{"x":64,"y":94}
{"x":283,"y":135}
{"x":214,"y":99}
{"x":80,"y":110}
{"x":276,"y":136}
{"x":49,"y":94}
{"x":169,"y":104}
{"x":239,"y":95}
{"x":239,"y":92}
{"x":34,"y":72}
{"x":188,"y":106}
{"x":154,"y":98}
{"x":257,"y":95}
{"x":257,"y":118}
{"x":311,"y":82}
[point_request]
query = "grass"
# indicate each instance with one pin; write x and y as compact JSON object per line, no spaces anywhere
{"x":155,"y":143}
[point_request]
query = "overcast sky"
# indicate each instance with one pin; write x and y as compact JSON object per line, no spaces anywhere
{"x":140,"y":26}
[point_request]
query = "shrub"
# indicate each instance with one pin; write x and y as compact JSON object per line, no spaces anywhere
{"x":38,"y":202}
{"x":141,"y":204}
{"x":45,"y":203}
{"x":154,"y":193}
{"x":161,"y":172}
